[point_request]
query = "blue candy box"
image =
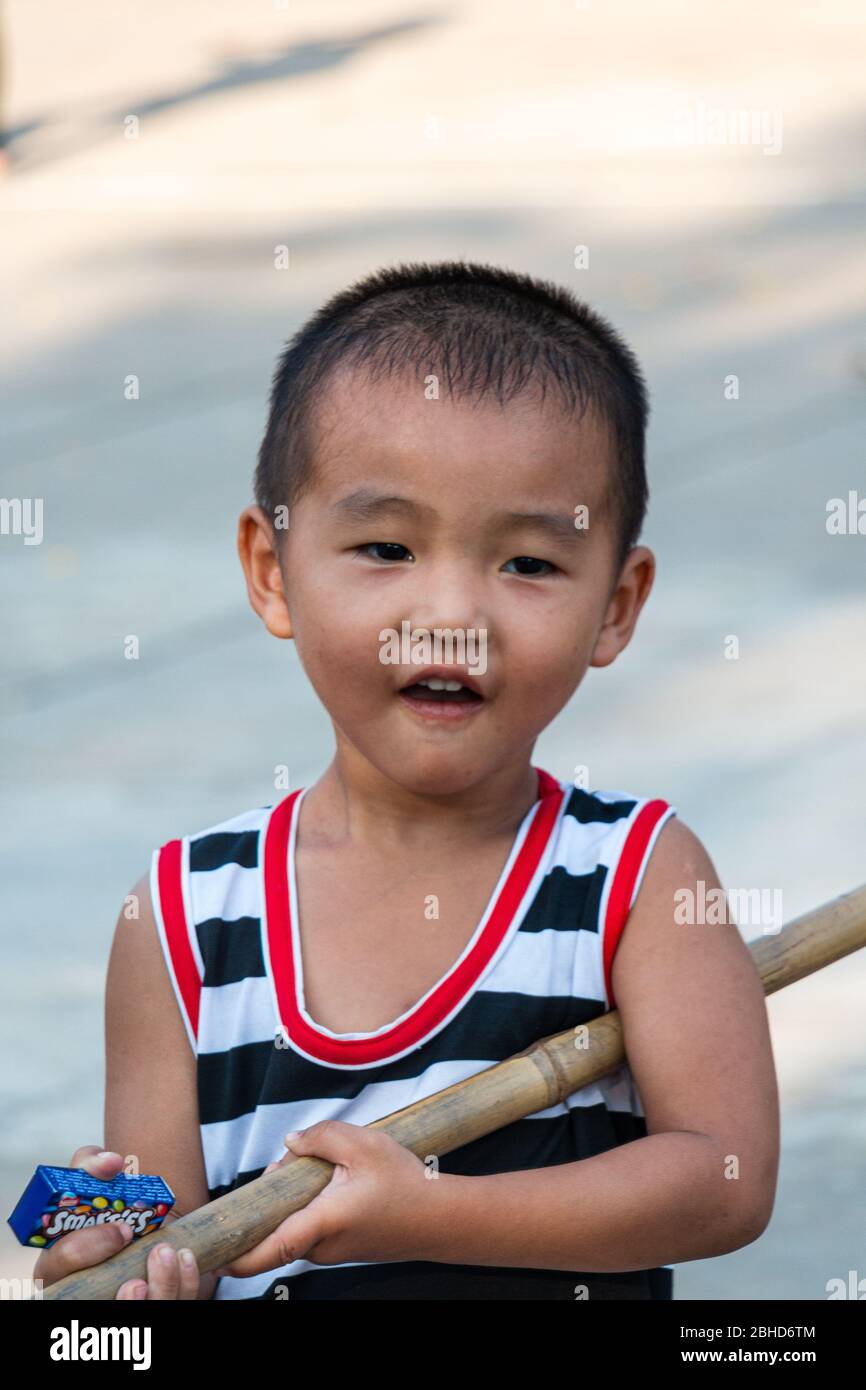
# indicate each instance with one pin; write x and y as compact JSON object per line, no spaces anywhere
{"x":57,"y":1200}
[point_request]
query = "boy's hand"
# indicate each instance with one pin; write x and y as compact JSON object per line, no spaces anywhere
{"x":92,"y":1244}
{"x":378,"y":1205}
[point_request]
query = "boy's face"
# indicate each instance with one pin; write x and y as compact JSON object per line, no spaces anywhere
{"x":446,"y":514}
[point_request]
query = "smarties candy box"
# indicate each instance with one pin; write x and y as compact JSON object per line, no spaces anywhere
{"x":57,"y":1200}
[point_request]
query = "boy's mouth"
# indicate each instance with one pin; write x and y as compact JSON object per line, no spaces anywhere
{"x":452,"y":691}
{"x":442,"y":695}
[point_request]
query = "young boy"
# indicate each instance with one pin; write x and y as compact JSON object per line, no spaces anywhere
{"x":456,"y":449}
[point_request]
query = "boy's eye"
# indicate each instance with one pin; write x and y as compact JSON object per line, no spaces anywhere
{"x":389,"y":547}
{"x":526,"y":563}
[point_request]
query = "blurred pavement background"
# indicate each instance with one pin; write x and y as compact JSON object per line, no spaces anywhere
{"x":158,"y":154}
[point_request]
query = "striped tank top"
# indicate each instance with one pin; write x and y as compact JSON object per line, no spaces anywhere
{"x":539,"y":962}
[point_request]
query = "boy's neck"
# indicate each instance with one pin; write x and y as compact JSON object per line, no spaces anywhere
{"x":353,"y":803}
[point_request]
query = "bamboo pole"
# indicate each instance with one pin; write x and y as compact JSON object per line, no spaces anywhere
{"x":533,"y":1080}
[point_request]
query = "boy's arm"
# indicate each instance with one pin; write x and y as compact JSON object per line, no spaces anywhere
{"x":703,"y":1181}
{"x":151,"y":1102}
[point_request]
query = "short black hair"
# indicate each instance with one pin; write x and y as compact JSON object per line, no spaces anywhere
{"x":483,"y":330}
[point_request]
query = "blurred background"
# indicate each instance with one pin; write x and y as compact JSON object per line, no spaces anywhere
{"x":696,"y":172}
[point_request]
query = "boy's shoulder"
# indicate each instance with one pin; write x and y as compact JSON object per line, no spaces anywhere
{"x":613,"y":814}
{"x":605,"y":801}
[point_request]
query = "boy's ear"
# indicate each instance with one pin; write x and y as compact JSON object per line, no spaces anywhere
{"x":628,"y":598}
{"x":257,"y":551}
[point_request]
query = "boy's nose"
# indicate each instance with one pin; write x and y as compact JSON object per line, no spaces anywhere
{"x":456,"y":612}
{"x":448,"y":594}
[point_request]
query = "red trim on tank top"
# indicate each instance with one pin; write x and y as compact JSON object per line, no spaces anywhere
{"x":451,"y":991}
{"x":619,"y":901}
{"x":170,"y":871}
